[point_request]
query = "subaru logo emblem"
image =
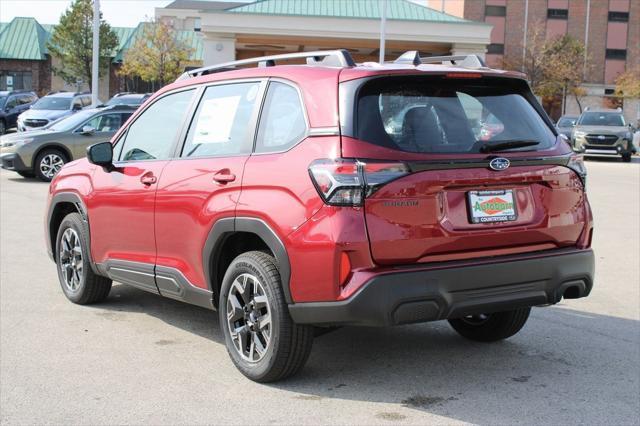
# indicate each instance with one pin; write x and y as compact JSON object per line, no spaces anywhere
{"x":499,"y":163}
{"x":601,"y":137}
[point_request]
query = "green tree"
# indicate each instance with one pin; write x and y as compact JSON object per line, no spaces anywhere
{"x":156,"y":56}
{"x":72,"y":43}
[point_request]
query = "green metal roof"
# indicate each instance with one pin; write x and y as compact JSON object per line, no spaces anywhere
{"x":402,"y":10}
{"x":26,"y":39}
{"x":23,"y":38}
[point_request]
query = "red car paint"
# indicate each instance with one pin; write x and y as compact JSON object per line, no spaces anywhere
{"x":161,"y":212}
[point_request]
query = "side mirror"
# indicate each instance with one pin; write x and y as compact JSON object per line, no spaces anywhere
{"x":101,"y":154}
{"x":87,"y":130}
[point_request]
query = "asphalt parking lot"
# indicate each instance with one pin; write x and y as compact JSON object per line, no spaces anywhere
{"x":139,"y":358}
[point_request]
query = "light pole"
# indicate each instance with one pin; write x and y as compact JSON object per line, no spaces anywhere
{"x":383,"y":29}
{"x":95,"y":61}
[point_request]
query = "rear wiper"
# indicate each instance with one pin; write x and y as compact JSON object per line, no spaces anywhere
{"x":506,"y":145}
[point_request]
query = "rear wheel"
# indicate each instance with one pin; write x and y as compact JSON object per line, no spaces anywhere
{"x":491,"y":327}
{"x":262,"y":340}
{"x":78,"y":281}
{"x":48,"y":163}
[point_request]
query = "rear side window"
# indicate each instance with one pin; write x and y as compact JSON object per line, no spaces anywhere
{"x":152,"y":135}
{"x":437,"y":115}
{"x":221,"y":123}
{"x":282,"y":123}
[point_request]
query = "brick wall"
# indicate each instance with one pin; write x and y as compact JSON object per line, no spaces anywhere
{"x":633,"y":43}
{"x":598,"y":20}
{"x":474,"y":10}
{"x":40,"y":72}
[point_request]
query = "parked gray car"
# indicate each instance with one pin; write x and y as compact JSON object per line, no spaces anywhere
{"x":43,"y":152}
{"x":603,"y":132}
{"x":52,"y":107}
{"x":565,"y":124}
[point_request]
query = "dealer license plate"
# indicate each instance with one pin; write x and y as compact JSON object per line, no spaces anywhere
{"x":491,"y":206}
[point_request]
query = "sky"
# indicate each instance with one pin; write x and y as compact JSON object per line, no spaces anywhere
{"x":118,"y":13}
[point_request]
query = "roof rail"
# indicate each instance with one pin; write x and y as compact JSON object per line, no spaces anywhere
{"x":465,"y":61}
{"x":329,"y":58}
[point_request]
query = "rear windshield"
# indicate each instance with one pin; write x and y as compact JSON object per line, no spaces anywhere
{"x":602,"y":119}
{"x":437,"y":115}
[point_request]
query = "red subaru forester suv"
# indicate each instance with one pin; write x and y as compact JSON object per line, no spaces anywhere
{"x":294,"y":197}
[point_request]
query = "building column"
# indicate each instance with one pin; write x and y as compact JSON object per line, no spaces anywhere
{"x":218,"y":48}
{"x":469,"y":49}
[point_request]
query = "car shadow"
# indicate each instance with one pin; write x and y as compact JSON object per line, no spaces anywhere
{"x":634,"y":159}
{"x":555,"y":363}
{"x":28,"y":180}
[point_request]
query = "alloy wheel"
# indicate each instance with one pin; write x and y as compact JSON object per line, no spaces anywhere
{"x":71,"y":259}
{"x":249,"y":317}
{"x":50,"y":165}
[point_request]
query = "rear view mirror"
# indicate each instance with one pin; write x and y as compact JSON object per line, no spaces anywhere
{"x":101,"y":154}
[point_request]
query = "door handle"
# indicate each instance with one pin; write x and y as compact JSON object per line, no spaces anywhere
{"x":148,"y":178}
{"x":224,"y":176}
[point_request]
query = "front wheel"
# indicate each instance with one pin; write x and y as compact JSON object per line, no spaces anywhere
{"x":491,"y":327}
{"x":262,"y":340}
{"x":78,"y":281}
{"x":48,"y":163}
{"x":626,"y":157}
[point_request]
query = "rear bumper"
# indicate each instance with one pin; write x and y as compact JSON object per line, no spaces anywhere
{"x":409,"y":296}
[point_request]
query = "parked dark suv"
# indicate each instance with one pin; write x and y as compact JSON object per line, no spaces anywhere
{"x":291,"y":197}
{"x":12,"y":104}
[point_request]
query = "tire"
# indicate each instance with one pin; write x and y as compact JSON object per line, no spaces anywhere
{"x":25,"y":174}
{"x":491,"y":327}
{"x":3,"y":127}
{"x":80,"y":285}
{"x":271,"y":351}
{"x":48,"y":163}
{"x":626,"y":158}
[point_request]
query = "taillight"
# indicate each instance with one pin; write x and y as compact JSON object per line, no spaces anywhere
{"x":346,"y":182}
{"x":576,"y":163}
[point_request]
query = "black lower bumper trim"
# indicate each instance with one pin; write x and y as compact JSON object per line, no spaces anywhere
{"x":444,"y":293}
{"x":13,"y":162}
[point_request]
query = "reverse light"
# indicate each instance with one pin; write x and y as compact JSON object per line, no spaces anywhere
{"x":576,"y":163}
{"x":346,"y":182}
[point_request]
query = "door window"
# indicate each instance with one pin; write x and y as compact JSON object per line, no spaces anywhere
{"x":152,"y":135}
{"x":221,"y":123}
{"x":282,"y":123}
{"x":11,"y":103}
{"x":105,"y":122}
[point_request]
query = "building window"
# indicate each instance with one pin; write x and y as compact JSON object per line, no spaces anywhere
{"x":618,"y":16}
{"x":495,"y":11}
{"x":15,"y":80}
{"x":609,"y":91}
{"x":496,"y":49}
{"x":616,"y":54}
{"x":558,"y":14}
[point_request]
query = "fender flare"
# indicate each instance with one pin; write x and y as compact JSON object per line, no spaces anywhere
{"x":76,"y":200}
{"x":223,"y":227}
{"x":51,"y":145}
